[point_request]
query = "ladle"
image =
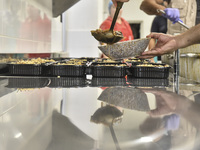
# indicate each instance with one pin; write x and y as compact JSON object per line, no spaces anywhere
{"x":109,"y":36}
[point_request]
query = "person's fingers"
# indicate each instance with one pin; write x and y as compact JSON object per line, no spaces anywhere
{"x":154,"y":113}
{"x":146,"y":56}
{"x":154,"y":35}
{"x":114,"y":2}
{"x":153,"y":52}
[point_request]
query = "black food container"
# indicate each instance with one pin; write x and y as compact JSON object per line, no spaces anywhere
{"x":67,"y":82}
{"x":4,"y":68}
{"x":25,"y":69}
{"x":67,"y":70}
{"x":147,"y":82}
{"x":161,"y":72}
{"x":108,"y":70}
{"x":27,"y":82}
{"x":107,"y":82}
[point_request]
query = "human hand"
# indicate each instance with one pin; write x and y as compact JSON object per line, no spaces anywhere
{"x":172,"y":14}
{"x":115,"y":1}
{"x":167,"y":102}
{"x":165,"y":44}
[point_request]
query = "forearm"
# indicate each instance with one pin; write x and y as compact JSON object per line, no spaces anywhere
{"x":189,"y":37}
{"x":115,"y":1}
{"x":150,"y":7}
{"x":190,"y":111}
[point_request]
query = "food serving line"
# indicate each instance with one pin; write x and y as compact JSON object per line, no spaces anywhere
{"x":99,"y":69}
{"x":59,"y":102}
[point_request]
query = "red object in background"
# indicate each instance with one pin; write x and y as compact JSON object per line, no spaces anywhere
{"x":103,"y":88}
{"x":41,"y":55}
{"x":124,"y":27}
{"x":36,"y":30}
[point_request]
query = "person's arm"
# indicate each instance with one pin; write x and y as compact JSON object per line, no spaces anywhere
{"x":189,"y":37}
{"x":168,"y":43}
{"x":115,"y":1}
{"x":150,"y":7}
{"x":171,"y":102}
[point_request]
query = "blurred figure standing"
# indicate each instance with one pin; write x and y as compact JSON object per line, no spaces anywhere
{"x":37,"y":29}
{"x":121,"y":24}
{"x":159,"y":25}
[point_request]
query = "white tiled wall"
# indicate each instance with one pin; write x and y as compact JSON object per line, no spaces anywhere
{"x":1,"y":10}
{"x":26,"y":29}
{"x":81,"y":19}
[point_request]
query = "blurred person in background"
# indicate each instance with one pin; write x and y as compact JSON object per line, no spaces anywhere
{"x":159,"y":25}
{"x":121,"y":24}
{"x":37,"y":29}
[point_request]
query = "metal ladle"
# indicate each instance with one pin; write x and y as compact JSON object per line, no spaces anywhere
{"x":109,"y":36}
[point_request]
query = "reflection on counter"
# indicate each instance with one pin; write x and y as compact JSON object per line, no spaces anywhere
{"x":125,"y":97}
{"x":75,"y":114}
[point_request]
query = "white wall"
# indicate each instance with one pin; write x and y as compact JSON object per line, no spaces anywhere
{"x":133,"y":14}
{"x":81,"y":19}
{"x":24,"y":31}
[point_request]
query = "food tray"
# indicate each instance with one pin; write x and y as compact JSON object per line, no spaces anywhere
{"x":46,"y":69}
{"x":3,"y":68}
{"x":149,"y":72}
{"x":147,"y":82}
{"x":107,"y":82}
{"x":67,"y":70}
{"x":67,"y":82}
{"x":25,"y":69}
{"x":108,"y":71}
{"x":27,"y":82}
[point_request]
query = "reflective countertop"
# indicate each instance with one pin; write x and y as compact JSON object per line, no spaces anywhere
{"x":104,"y":114}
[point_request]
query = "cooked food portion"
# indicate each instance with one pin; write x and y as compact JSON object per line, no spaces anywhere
{"x":24,"y":89}
{"x":152,"y":65}
{"x":9,"y":59}
{"x":133,"y":60}
{"x":106,"y":115}
{"x":33,"y":61}
{"x":111,"y":65}
{"x":107,"y":33}
{"x":107,"y":36}
{"x":70,"y":63}
{"x":105,"y":60}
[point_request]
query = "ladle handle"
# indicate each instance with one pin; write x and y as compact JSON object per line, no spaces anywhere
{"x":181,"y":23}
{"x":119,"y":6}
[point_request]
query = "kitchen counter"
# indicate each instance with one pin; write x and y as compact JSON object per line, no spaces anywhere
{"x":40,"y":113}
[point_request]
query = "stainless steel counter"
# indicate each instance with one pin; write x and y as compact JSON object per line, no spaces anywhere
{"x":44,"y":114}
